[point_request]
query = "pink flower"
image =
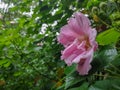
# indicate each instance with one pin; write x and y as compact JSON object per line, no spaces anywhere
{"x":78,"y":38}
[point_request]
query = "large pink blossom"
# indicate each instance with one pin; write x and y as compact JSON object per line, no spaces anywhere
{"x":78,"y":38}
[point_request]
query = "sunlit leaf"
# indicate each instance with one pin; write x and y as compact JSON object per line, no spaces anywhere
{"x":108,"y":37}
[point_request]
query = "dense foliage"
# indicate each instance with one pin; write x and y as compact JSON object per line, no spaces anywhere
{"x":30,"y":53}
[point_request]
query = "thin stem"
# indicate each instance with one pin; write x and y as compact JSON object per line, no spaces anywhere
{"x":112,"y":72}
{"x":105,"y":76}
{"x":104,"y":22}
{"x":114,"y":67}
{"x":46,"y":76}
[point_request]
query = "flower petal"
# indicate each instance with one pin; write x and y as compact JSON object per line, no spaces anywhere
{"x":75,"y":27}
{"x":66,"y":36}
{"x":85,"y":67}
{"x":83,"y":21}
{"x":73,"y":51}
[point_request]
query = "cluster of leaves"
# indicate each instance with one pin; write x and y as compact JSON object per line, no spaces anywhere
{"x":30,"y":53}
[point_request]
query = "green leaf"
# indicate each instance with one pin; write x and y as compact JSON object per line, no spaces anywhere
{"x":103,"y":57}
{"x":3,"y":62}
{"x":116,"y":61}
{"x":70,"y":81}
{"x":112,"y":84}
{"x":70,"y":69}
{"x":84,"y":86}
{"x":90,"y":3}
{"x":7,"y":64}
{"x":17,"y":73}
{"x":108,"y":37}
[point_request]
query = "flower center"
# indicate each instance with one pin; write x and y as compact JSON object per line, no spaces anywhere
{"x":86,"y":39}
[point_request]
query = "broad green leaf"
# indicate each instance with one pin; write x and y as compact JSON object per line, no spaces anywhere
{"x":7,"y":64}
{"x":70,"y":69}
{"x":103,"y":57}
{"x":110,"y":84}
{"x":116,"y":61}
{"x":108,"y":37}
{"x":3,"y":62}
{"x":84,"y":86}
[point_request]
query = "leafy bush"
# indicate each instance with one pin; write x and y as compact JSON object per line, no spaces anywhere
{"x":30,"y":53}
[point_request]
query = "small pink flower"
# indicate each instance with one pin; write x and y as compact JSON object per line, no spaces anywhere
{"x":78,"y":38}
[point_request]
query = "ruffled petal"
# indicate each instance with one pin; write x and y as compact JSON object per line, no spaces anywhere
{"x":83,"y":69}
{"x":75,"y":27}
{"x":92,"y":36}
{"x":83,"y":21}
{"x":84,"y":64}
{"x":67,"y":35}
{"x":71,"y":49}
{"x":69,"y":60}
